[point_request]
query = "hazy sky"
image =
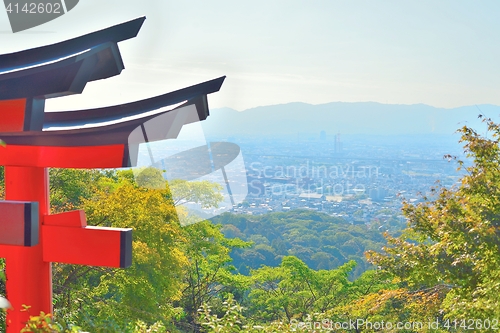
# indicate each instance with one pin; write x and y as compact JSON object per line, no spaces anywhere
{"x":441,"y":53}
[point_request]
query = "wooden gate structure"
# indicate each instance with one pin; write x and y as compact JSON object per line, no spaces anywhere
{"x":30,"y":237}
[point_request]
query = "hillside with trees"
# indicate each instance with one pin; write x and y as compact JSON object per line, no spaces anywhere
{"x":319,"y":240}
{"x":440,"y":275}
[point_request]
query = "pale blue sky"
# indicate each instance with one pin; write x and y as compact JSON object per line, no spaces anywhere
{"x":441,"y":53}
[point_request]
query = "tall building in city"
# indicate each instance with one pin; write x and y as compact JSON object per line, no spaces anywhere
{"x":338,"y":144}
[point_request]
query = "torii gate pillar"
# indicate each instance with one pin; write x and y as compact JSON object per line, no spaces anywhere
{"x":29,"y":277}
{"x":31,"y":239}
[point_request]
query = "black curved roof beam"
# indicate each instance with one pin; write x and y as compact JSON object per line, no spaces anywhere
{"x":107,"y":138}
{"x":114,"y":34}
{"x":65,"y":68}
{"x":61,"y":77}
{"x":66,"y":118}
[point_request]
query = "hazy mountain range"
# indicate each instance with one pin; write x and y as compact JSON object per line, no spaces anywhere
{"x":345,"y":118}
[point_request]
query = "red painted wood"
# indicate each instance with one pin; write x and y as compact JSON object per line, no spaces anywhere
{"x":18,"y":223}
{"x":63,"y":238}
{"x":29,"y":278}
{"x":92,"y":246}
{"x":12,"y":114}
{"x":75,"y":218}
{"x":63,"y":157}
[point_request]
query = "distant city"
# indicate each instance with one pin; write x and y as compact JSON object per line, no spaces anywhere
{"x":362,"y":179}
{"x":357,"y":161}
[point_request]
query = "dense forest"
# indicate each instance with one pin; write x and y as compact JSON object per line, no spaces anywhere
{"x":292,"y":272}
{"x":319,"y":240}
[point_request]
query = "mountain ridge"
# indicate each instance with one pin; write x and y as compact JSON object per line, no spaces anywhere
{"x":345,"y":118}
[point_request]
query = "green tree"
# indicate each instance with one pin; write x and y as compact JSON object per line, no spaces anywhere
{"x":68,"y":187}
{"x":293,"y":290}
{"x":453,"y":241}
{"x":174,"y":269}
{"x":203,"y":192}
{"x":92,"y":295}
{"x":209,"y":273}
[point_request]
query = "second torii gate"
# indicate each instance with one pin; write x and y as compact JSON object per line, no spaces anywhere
{"x":30,"y":237}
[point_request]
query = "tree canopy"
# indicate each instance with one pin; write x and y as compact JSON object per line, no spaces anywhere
{"x":298,"y":266}
{"x":453,"y":241}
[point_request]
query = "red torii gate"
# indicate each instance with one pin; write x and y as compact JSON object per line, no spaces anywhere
{"x":31,"y":238}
